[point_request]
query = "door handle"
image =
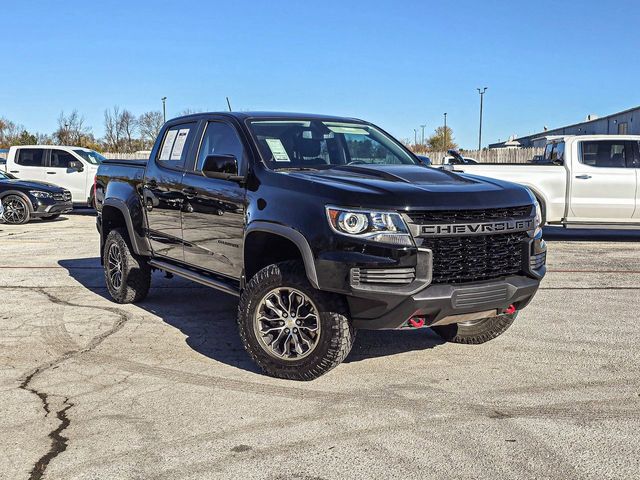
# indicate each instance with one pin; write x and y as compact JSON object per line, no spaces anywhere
{"x":583,"y":177}
{"x":51,"y":173}
{"x":14,"y":171}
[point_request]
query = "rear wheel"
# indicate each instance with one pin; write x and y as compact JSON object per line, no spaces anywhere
{"x":16,"y":210}
{"x":476,"y":331}
{"x":128,"y":276}
{"x":290,"y":329}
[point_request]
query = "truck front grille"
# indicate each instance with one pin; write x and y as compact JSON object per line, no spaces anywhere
{"x":474,"y":258}
{"x":464,"y":216}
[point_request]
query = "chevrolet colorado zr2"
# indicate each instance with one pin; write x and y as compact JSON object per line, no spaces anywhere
{"x":321,"y":226}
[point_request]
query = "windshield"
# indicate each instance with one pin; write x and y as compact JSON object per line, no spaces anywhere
{"x":90,"y":156}
{"x":322,"y":144}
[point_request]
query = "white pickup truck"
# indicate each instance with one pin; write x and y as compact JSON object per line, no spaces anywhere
{"x":73,"y":168}
{"x":587,"y":181}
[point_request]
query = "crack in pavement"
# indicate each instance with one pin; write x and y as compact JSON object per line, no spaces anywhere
{"x":59,"y":442}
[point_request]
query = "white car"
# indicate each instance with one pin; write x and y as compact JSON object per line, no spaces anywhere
{"x":587,"y":180}
{"x":73,"y":168}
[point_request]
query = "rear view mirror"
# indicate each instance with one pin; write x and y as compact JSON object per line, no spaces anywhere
{"x":220,"y":166}
{"x":76,"y":165}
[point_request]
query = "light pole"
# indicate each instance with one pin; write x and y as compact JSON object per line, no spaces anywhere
{"x":481,"y":92}
{"x":445,"y":131}
{"x":415,"y":136}
{"x":164,"y":108}
{"x":422,"y":127}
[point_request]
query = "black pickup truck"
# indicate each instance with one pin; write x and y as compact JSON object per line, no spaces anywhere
{"x":321,"y":226}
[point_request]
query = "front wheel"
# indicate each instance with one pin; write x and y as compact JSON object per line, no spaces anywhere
{"x":290,"y":329}
{"x":128,"y":276}
{"x":16,"y":210}
{"x":476,"y":331}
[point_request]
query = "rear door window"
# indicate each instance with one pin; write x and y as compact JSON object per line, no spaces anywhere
{"x":30,"y":157}
{"x":175,"y":145}
{"x":61,"y":159}
{"x":606,"y":153}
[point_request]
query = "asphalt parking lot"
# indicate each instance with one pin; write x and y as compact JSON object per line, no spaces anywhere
{"x":91,"y":389}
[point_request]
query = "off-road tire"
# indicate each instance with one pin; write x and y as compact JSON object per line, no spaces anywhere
{"x":336,"y":333}
{"x":136,"y":273}
{"x":477,"y":332}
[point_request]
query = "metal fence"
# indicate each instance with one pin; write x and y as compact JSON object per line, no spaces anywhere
{"x":497,"y":155}
{"x":124,"y":156}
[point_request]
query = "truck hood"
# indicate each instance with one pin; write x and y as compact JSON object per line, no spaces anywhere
{"x":413,"y":186}
{"x":32,"y":185}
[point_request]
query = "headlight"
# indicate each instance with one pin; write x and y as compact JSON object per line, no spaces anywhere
{"x":538,"y":219}
{"x":383,"y":227}
{"x":40,"y":194}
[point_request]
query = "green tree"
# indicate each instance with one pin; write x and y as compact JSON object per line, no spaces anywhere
{"x":436,"y":142}
{"x":26,"y":138}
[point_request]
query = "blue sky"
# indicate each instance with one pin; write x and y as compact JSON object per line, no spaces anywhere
{"x":397,"y":63}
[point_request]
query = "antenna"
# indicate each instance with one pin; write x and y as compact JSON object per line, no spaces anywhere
{"x":228,"y":103}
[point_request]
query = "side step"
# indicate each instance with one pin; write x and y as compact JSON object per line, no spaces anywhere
{"x":195,"y":277}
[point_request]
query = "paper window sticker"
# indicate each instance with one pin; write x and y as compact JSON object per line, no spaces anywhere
{"x":165,"y":154}
{"x":278,"y":150}
{"x":178,"y":146}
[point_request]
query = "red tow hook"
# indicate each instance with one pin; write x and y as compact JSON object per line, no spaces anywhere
{"x":417,"y":323}
{"x":510,"y":310}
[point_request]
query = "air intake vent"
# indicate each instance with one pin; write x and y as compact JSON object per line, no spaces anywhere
{"x":464,"y":216}
{"x":397,"y":276}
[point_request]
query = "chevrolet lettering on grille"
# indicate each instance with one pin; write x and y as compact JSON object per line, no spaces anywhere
{"x":486,"y":228}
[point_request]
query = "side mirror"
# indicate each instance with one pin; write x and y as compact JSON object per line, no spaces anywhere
{"x":424,"y":160}
{"x":76,"y":165}
{"x":220,"y":166}
{"x":558,"y":162}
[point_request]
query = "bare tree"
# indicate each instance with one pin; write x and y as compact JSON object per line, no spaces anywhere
{"x":112,"y":129}
{"x":149,"y":124}
{"x":128,"y":124}
{"x":9,"y":132}
{"x":72,"y":130}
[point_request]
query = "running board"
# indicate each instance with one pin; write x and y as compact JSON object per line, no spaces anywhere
{"x":195,"y":277}
{"x":602,"y":226}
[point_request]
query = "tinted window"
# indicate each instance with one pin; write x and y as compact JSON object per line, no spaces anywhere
{"x":220,"y":139}
{"x":30,"y":157}
{"x":606,"y":154}
{"x":175,"y":145}
{"x":61,"y":159}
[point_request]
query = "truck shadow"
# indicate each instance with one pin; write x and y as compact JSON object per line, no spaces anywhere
{"x":207,"y":318}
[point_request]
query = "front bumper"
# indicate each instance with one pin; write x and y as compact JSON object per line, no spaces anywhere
{"x":438,"y":303}
{"x":358,"y":274}
{"x":47,"y":207}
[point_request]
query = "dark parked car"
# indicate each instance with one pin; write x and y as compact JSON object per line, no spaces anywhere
{"x":23,"y":200}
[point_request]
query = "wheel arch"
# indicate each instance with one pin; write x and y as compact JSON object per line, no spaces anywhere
{"x":114,"y":214}
{"x":266,"y":243}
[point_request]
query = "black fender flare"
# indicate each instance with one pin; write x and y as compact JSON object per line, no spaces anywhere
{"x":294,"y":236}
{"x":138,"y":247}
